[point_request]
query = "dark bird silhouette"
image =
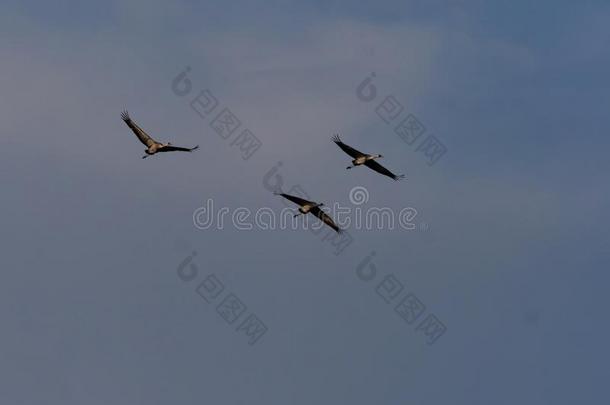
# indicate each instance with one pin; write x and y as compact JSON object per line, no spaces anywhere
{"x":366,"y":160}
{"x":313,"y":208}
{"x":152,"y":146}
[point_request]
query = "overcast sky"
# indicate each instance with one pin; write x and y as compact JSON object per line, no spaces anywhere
{"x":511,"y":247}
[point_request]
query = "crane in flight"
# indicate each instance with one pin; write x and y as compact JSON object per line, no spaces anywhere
{"x":366,"y":160}
{"x":313,"y":208}
{"x":152,"y":146}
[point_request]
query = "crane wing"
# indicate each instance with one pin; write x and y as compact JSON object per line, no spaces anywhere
{"x":317,"y":211}
{"x":296,"y":200}
{"x":380,"y":169}
{"x":140,"y":133}
{"x":172,"y":148}
{"x":347,"y":149}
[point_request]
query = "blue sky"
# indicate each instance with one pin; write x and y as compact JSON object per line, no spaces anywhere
{"x":513,"y":260}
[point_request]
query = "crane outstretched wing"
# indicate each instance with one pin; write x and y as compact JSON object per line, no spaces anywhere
{"x":294,"y":199}
{"x":317,"y":211}
{"x":142,"y":136}
{"x":347,"y":149}
{"x":380,"y":169}
{"x":172,"y":148}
